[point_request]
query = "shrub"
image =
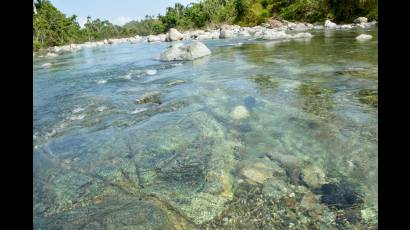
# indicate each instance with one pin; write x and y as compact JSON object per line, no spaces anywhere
{"x":304,"y":10}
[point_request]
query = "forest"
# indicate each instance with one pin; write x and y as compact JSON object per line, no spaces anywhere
{"x":53,"y":28}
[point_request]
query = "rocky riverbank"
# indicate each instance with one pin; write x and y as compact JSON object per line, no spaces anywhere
{"x":272,"y":30}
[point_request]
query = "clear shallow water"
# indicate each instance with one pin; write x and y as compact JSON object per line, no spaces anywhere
{"x":302,"y":154}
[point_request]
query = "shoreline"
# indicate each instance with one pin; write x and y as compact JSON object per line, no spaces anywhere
{"x":272,"y":30}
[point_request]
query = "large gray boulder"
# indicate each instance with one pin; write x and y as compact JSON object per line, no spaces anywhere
{"x":174,"y":35}
{"x":181,"y":52}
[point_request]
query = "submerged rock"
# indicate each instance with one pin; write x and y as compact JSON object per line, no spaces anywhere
{"x":244,"y":128}
{"x":292,"y":164}
{"x":340,"y":195}
{"x":46,"y":65}
{"x":364,"y":37}
{"x":260,"y":171}
{"x":240,"y":112}
{"x":368,"y":96}
{"x":204,"y":207}
{"x":151,"y":71}
{"x":276,"y":188}
{"x":369,"y":215}
{"x":265,"y":81}
{"x":313,"y":176}
{"x":249,"y":102}
{"x":113,"y":213}
{"x":150,"y":97}
{"x":176,"y":82}
{"x":316,"y":99}
{"x":180,"y":52}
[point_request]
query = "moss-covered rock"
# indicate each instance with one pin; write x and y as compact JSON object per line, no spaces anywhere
{"x":259,"y":171}
{"x":370,"y":73}
{"x":264,"y":81}
{"x":254,"y":208}
{"x":316,"y":99}
{"x":369,"y":97}
{"x":313,"y":176}
{"x":150,"y":97}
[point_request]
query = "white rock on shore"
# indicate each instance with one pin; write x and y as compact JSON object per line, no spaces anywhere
{"x":51,"y":55}
{"x":360,"y":20}
{"x":244,"y":33}
{"x":271,"y":34}
{"x":364,"y":37}
{"x":301,"y":35}
{"x":269,"y":31}
{"x":299,"y":27}
{"x":173,"y":35}
{"x":318,"y":27}
{"x":330,"y":25}
{"x":224,"y":33}
{"x":347,"y":26}
{"x":180,"y":52}
{"x":156,"y":38}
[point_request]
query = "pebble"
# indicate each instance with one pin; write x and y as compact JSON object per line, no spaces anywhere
{"x":240,"y":112}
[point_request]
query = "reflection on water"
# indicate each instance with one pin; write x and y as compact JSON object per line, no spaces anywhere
{"x":261,"y":135}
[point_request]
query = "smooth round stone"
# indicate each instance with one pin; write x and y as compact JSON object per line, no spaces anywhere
{"x":239,"y":113}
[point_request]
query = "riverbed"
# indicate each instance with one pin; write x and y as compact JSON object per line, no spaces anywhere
{"x":258,"y":135}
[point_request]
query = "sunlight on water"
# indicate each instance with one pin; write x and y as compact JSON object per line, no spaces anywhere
{"x":259,"y":134}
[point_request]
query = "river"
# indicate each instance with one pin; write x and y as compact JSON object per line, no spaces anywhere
{"x":258,"y":135}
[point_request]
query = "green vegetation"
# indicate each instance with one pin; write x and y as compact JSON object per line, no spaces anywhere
{"x":51,"y":27}
{"x":149,"y":25}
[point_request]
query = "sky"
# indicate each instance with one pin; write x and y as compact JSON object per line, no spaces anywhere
{"x":117,"y":12}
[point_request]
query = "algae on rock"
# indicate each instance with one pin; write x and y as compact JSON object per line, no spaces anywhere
{"x":369,"y":97}
{"x":265,"y":82}
{"x":316,"y":99}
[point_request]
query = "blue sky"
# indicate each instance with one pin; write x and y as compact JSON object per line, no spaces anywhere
{"x":116,"y":11}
